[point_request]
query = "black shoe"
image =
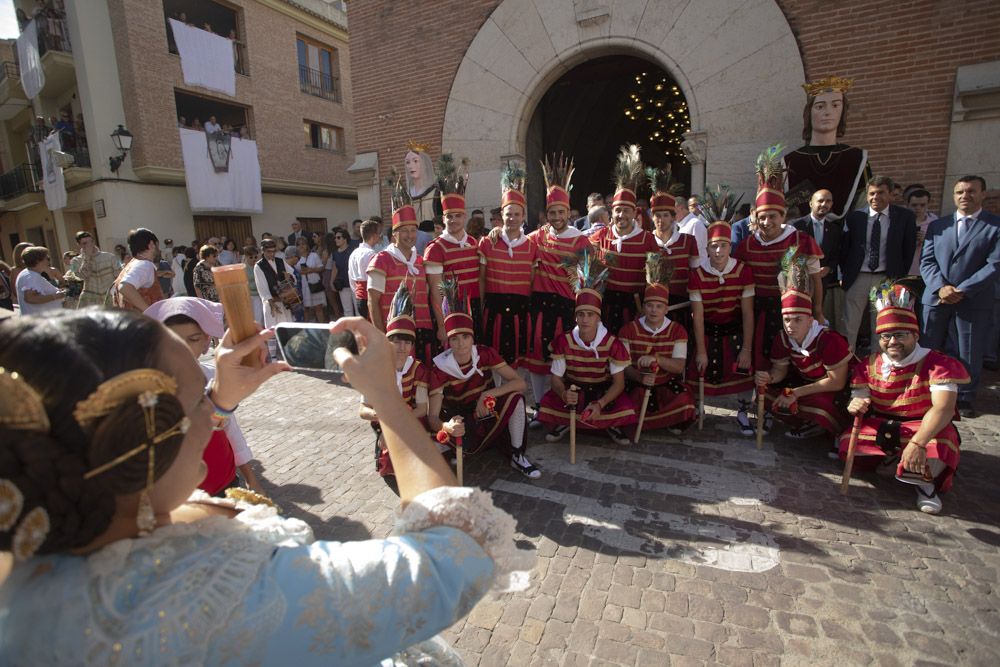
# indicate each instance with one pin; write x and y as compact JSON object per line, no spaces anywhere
{"x":618,"y":436}
{"x":556,"y":434}
{"x":965,"y":410}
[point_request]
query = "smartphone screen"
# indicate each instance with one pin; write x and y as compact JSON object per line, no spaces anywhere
{"x":309,"y":347}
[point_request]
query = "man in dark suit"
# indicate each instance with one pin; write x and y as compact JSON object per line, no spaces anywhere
{"x":960,"y":264}
{"x":879,"y":244}
{"x":828,"y":232}
{"x":293,"y":238}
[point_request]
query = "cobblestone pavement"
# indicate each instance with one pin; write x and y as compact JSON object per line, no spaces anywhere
{"x":689,"y":550}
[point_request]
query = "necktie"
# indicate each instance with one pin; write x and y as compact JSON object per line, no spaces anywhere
{"x":875,"y":243}
{"x":818,"y":231}
{"x":963,"y":227}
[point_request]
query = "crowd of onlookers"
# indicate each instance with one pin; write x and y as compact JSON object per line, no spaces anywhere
{"x":211,"y":126}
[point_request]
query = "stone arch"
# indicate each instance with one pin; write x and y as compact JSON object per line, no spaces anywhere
{"x":738,"y":65}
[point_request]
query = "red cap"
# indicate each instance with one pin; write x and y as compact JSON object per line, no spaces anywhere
{"x":657,"y":292}
{"x":403,"y":216}
{"x":588,"y":299}
{"x":794,"y":302}
{"x":452,"y":202}
{"x":457,"y":323}
{"x":623,"y":196}
{"x":556,"y":196}
{"x":513,"y":197}
{"x":770,"y":199}
{"x":401,"y":325}
{"x":896,"y":318}
{"x":661,"y":201}
{"x":719,"y":231}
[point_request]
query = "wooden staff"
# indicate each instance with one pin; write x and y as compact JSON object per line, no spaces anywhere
{"x":572,"y":427}
{"x":849,"y":464}
{"x":701,"y":402}
{"x":458,"y":455}
{"x":645,"y":402}
{"x":234,"y":292}
{"x":761,"y":390}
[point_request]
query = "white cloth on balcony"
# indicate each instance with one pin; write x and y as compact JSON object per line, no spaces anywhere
{"x":206,"y":58}
{"x":236,"y":190}
{"x":52,"y":174}
{"x":32,"y":75}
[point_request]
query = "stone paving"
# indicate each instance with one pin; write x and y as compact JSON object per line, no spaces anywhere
{"x":684,"y":550}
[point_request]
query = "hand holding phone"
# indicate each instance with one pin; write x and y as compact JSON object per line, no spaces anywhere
{"x":308,"y":346}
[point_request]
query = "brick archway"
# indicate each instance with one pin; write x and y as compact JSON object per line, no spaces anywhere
{"x":739,"y":68}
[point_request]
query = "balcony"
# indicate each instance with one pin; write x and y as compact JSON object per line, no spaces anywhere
{"x":56,"y":56}
{"x":20,"y":186}
{"x":12,"y":98}
{"x":319,"y":84}
{"x":53,"y":35}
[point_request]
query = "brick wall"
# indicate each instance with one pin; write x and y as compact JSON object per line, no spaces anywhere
{"x":902,"y":55}
{"x":150,"y":74}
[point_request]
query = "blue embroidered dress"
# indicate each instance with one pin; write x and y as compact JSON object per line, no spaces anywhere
{"x":257,"y":590}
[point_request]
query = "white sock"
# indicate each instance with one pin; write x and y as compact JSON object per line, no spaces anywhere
{"x":538,"y":386}
{"x":515,"y":426}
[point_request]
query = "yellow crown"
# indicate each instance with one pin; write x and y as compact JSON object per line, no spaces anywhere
{"x":829,"y":84}
{"x":418,"y":147}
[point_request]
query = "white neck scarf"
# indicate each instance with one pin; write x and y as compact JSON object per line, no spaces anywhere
{"x":512,"y":244}
{"x":785,"y":233}
{"x":464,"y":243}
{"x":706,"y":264}
{"x":446,"y":362}
{"x":915,"y":356}
{"x":664,"y":245}
{"x":602,"y":331}
{"x":814,"y":331}
{"x":570,"y":232}
{"x":666,"y":323}
{"x":411,"y":263}
{"x":636,"y":230}
{"x":399,"y":374}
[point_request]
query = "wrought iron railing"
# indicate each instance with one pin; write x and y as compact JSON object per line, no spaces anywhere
{"x":19,"y":180}
{"x":53,"y":35}
{"x":318,"y":83}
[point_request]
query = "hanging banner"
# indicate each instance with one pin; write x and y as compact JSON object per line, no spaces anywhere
{"x":207,"y":60}
{"x":52,"y":173}
{"x":32,"y":76}
{"x":236,"y":190}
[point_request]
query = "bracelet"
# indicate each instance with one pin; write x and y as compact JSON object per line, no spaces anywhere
{"x":220,"y":417}
{"x":919,"y":445}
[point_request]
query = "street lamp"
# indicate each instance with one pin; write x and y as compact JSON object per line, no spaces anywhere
{"x":123,"y":142}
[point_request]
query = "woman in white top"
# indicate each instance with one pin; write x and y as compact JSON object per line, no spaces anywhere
{"x":177,"y":266}
{"x":313,"y":293}
{"x":228,"y":254}
{"x":35,"y":294}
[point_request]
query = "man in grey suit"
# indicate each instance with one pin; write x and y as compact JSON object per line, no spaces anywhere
{"x":960,"y":264}
{"x":879,"y":243}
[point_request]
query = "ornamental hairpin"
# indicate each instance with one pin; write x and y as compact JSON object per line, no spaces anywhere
{"x":21,"y":407}
{"x":112,"y":393}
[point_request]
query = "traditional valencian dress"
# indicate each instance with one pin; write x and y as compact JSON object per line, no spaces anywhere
{"x":681,"y":250}
{"x":821,"y":351}
{"x":506,"y":313}
{"x":257,"y":589}
{"x":901,"y":395}
{"x":670,"y":402}
{"x":720,"y":293}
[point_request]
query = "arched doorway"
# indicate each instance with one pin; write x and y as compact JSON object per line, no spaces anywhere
{"x":597,"y":107}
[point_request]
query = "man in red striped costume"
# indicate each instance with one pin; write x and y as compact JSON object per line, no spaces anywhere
{"x":593,"y":360}
{"x":721,"y":290}
{"x":476,"y":396}
{"x":914,"y":391}
{"x":390,"y":267}
{"x":506,"y":271}
{"x":658,"y":349}
{"x":623,"y":245}
{"x":763,"y":250}
{"x":681,"y":250}
{"x":412,"y":377}
{"x":807,"y":380}
{"x":552,"y":294}
{"x":454,"y":253}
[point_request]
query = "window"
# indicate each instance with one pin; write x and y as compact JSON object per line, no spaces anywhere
{"x":324,"y":137}
{"x":194,"y":110}
{"x":236,"y":227}
{"x":310,"y":225}
{"x":211,"y":16}
{"x":319,"y":69}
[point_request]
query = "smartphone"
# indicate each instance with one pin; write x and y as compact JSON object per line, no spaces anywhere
{"x":309,"y":346}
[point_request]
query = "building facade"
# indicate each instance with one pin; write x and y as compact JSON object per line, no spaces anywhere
{"x":484,"y":79}
{"x":114,"y":62}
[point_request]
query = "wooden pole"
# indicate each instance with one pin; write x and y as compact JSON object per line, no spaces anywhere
{"x":572,"y":428}
{"x":458,"y":457}
{"x":701,"y":402}
{"x":761,"y":390}
{"x":849,"y":463}
{"x":234,"y":293}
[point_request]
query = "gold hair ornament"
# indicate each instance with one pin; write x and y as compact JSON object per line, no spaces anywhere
{"x":21,"y":407}
{"x":831,"y":84}
{"x":112,"y":393}
{"x":417,"y":147}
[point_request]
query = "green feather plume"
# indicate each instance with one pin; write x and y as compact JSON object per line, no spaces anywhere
{"x":398,"y":194}
{"x":402,"y":302}
{"x":628,"y":168}
{"x":513,"y":177}
{"x":719,"y":204}
{"x":769,"y":168}
{"x":558,"y":171}
{"x":890,"y":294}
{"x":794,"y":274}
{"x":660,"y":180}
{"x":590,"y":271}
{"x":658,"y":269}
{"x":451,"y":300}
{"x":452,"y":178}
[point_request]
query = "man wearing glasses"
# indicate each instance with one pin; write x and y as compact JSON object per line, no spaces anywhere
{"x":907,"y":395}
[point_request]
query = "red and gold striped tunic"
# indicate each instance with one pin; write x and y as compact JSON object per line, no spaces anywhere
{"x":394,"y":272}
{"x":416,"y":376}
{"x":681,"y":253}
{"x":454,"y":259}
{"x":550,"y":275}
{"x":720,"y":295}
{"x":765,"y":260}
{"x":829,"y":350}
{"x":628,"y":265}
{"x":641,"y":341}
{"x":506,"y":274}
{"x":583,"y":365}
{"x":906,"y":392}
{"x":464,"y":393}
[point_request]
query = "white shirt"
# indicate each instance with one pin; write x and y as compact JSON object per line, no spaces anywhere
{"x":884,"y":235}
{"x":241,"y":450}
{"x":33,"y":281}
{"x":211,"y":127}
{"x":817,"y":228}
{"x":697,"y":227}
{"x":963,"y":223}
{"x":357,"y":263}
{"x":140,"y":274}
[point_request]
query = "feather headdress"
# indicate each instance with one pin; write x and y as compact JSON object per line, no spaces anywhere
{"x":512,"y":182}
{"x":795,"y":283}
{"x":590,"y":271}
{"x":399,"y":196}
{"x":890,"y":294}
{"x":455,"y":310}
{"x":401,"y":310}
{"x":659,"y":271}
{"x":452,"y":178}
{"x":558,"y":171}
{"x":719,"y":205}
{"x":770,"y":181}
{"x":627,"y":174}
{"x":660,"y":179}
